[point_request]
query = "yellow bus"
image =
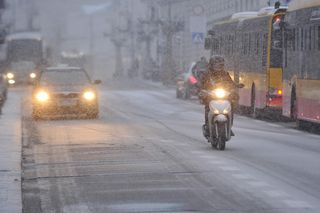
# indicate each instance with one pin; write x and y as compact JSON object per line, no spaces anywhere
{"x":252,"y":46}
{"x":301,"y":53}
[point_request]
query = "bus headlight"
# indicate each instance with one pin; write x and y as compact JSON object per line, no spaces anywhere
{"x":42,"y":96}
{"x":89,"y":95}
{"x":33,"y":75}
{"x":10,"y":75}
{"x":11,"y":81}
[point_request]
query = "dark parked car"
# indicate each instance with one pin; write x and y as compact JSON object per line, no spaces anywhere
{"x":3,"y":90}
{"x":187,"y":84}
{"x":65,"y":90}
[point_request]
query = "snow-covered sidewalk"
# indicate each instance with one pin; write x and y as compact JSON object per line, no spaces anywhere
{"x":10,"y":155}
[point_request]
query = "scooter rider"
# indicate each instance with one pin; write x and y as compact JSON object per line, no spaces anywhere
{"x":216,"y":74}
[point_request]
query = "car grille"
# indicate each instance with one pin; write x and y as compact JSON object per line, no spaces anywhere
{"x":68,"y":95}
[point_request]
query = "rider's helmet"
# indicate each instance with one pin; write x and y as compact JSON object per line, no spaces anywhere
{"x":216,"y":63}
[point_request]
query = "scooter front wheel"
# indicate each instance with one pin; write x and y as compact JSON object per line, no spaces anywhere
{"x":214,"y":143}
{"x":221,"y":144}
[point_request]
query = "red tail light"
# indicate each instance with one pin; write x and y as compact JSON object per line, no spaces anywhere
{"x":193,"y":80}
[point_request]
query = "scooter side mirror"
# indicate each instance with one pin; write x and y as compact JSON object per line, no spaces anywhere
{"x":240,"y":86}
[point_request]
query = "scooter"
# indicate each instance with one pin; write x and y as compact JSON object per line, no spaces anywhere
{"x":220,"y":116}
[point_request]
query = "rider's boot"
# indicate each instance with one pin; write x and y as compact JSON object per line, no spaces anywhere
{"x":232,"y":133}
{"x":205,"y":130}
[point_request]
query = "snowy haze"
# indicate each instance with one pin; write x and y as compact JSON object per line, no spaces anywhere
{"x":67,"y":27}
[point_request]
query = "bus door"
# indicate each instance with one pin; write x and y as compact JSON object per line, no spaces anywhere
{"x":275,"y":71}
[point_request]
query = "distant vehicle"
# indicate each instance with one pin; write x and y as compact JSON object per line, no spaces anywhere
{"x":25,"y":56}
{"x":187,"y":84}
{"x":65,"y":90}
{"x":73,"y":59}
{"x":301,"y":54}
{"x":252,"y":47}
{"x":3,"y":90}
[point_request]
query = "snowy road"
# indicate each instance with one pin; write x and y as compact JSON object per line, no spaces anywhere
{"x":146,"y":153}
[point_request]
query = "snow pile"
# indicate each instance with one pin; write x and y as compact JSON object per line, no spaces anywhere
{"x":298,"y":4}
{"x":244,"y":15}
{"x":24,"y":35}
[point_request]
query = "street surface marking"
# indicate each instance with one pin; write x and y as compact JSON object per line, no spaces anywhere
{"x":209,"y":157}
{"x":231,"y":169}
{"x":182,"y":144}
{"x":294,"y":131}
{"x":258,"y":183}
{"x":315,"y":136}
{"x":166,"y":141}
{"x":273,"y":125}
{"x":145,"y":207}
{"x":197,"y":152}
{"x":297,"y":204}
{"x":242,"y":176}
{"x":275,"y":193}
{"x":217,"y":162}
{"x":258,"y":121}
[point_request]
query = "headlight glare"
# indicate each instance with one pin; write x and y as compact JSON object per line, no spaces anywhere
{"x":42,"y":96}
{"x":33,"y":75}
{"x":225,"y":111}
{"x":10,"y":75}
{"x":219,"y":93}
{"x":11,"y":81}
{"x":89,"y":95}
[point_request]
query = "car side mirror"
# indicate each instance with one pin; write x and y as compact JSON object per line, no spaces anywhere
{"x":240,"y":86}
{"x":97,"y":82}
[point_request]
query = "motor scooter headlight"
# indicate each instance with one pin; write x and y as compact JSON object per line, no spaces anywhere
{"x":219,"y":93}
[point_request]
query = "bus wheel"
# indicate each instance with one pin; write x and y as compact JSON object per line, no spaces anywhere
{"x":303,"y":125}
{"x":253,"y":109}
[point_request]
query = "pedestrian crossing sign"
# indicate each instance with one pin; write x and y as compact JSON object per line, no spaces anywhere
{"x":197,"y":38}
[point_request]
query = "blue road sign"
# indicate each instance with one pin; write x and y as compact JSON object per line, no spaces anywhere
{"x":197,"y":37}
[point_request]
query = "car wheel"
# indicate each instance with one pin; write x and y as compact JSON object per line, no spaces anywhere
{"x":186,"y":94}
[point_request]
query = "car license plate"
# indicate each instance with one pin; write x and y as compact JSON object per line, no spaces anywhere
{"x":67,"y":102}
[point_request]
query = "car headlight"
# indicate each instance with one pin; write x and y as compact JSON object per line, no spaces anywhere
{"x":10,"y":75}
{"x":33,"y":75}
{"x":89,"y":95}
{"x":42,"y":96}
{"x":219,"y":93}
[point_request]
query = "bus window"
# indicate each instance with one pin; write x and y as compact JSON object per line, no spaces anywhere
{"x":319,"y":38}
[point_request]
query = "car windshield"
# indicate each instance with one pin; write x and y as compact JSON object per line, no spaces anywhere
{"x":64,"y":77}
